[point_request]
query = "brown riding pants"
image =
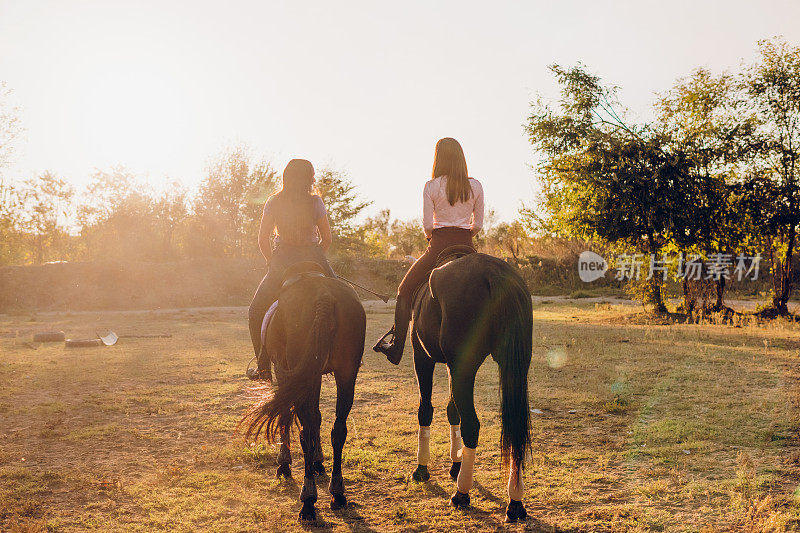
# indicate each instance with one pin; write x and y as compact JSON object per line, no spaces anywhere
{"x":440,"y":239}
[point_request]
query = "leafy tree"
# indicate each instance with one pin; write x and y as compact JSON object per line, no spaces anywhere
{"x":772,"y":188}
{"x":106,"y":192}
{"x":507,"y":239}
{"x":702,"y":118}
{"x":9,"y":126}
{"x":116,"y":218}
{"x":606,"y":178}
{"x":343,"y":205}
{"x":383,"y":236}
{"x":229,"y":203}
{"x":11,"y":245}
{"x":170,"y":213}
{"x":9,"y":200}
{"x":46,"y":205}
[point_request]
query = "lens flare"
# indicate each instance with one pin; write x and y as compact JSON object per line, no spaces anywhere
{"x":556,"y":357}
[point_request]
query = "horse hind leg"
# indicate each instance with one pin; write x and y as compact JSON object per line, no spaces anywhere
{"x":423,"y":367}
{"x":309,"y":418}
{"x":462,"y":385}
{"x":516,"y":487}
{"x":345,"y":390}
{"x":319,"y":457}
{"x":455,"y":438}
{"x":284,"y":458}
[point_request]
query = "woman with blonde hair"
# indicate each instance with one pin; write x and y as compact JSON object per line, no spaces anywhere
{"x":452,"y":214}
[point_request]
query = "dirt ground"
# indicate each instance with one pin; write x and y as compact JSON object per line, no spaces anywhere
{"x":636,"y":427}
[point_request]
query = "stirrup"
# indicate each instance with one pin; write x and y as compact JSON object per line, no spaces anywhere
{"x":385,"y":343}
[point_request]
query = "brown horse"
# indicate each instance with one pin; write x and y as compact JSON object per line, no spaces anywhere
{"x":474,"y":306}
{"x":318,"y":328}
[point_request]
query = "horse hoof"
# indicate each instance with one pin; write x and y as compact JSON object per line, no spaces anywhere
{"x":284,"y":471}
{"x":421,"y":474}
{"x":515,"y":511}
{"x":460,"y":500}
{"x":308,"y":513}
{"x":338,"y":501}
{"x":318,"y":468}
{"x":454,"y":470}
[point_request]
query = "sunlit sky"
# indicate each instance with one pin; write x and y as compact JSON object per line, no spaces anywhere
{"x":364,"y":87}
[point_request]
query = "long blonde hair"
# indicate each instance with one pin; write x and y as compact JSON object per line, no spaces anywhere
{"x":449,"y":161}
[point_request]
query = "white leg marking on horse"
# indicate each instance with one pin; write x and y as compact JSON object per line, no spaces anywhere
{"x":464,"y":482}
{"x":516,"y":485}
{"x":455,"y":443}
{"x":424,"y":445}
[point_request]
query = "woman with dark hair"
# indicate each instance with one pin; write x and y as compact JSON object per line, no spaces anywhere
{"x":452,"y":214}
{"x":296,"y":221}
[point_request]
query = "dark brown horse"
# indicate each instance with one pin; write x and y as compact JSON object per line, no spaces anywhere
{"x":474,"y":306}
{"x":318,"y":328}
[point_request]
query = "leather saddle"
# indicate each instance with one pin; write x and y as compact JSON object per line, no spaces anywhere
{"x":293,"y":274}
{"x":299,"y":271}
{"x":446,"y":256}
{"x":452,"y":253}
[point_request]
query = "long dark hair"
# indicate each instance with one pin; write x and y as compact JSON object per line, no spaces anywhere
{"x":298,"y":179}
{"x":294,"y":202}
{"x":449,"y":161}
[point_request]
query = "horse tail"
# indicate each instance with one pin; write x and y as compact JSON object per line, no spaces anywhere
{"x":275,"y":405}
{"x":513,"y":322}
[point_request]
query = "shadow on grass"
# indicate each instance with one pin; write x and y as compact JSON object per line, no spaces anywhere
{"x":489,"y":495}
{"x":433,"y":489}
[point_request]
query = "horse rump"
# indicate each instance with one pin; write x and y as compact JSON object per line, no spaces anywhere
{"x":275,"y":405}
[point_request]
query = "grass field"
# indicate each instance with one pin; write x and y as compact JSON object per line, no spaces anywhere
{"x":638,"y":427}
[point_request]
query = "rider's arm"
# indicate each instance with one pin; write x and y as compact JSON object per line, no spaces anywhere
{"x":323,"y":226}
{"x":427,"y":211}
{"x":477,"y":210}
{"x":265,"y":232}
{"x":324,"y":232}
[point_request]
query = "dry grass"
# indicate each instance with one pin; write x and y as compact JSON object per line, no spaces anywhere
{"x":643,"y":427}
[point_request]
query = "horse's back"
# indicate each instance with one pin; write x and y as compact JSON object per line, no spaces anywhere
{"x":299,"y":305}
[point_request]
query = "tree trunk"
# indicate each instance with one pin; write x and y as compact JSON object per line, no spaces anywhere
{"x":783,"y":284}
{"x":719,"y":305}
{"x":656,"y":296}
{"x":688,"y":300}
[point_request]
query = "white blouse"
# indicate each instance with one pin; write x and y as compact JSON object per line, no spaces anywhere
{"x":438,"y":213}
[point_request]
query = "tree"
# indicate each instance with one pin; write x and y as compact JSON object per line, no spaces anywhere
{"x":407,"y":238}
{"x":343,"y":205}
{"x":116,"y":218}
{"x":229,"y":203}
{"x":47,"y":204}
{"x":170,"y":212}
{"x":10,"y":215}
{"x":382,"y":236}
{"x":606,"y":178}
{"x":9,"y":200}
{"x":772,"y":188}
{"x":507,"y":238}
{"x":9,"y":126}
{"x":702,"y":118}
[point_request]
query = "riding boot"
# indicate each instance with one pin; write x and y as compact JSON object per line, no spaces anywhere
{"x":393,"y":342}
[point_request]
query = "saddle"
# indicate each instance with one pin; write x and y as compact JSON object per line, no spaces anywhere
{"x":299,"y":271}
{"x":452,"y":253}
{"x":448,"y":255}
